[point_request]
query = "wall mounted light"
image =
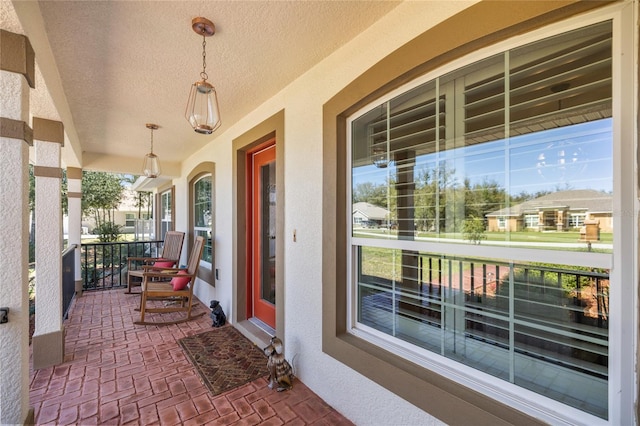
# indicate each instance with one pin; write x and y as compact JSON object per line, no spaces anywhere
{"x":151,"y":166}
{"x":202,"y":106}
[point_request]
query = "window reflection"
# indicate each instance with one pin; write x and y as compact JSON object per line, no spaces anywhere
{"x":203,"y":214}
{"x":493,"y":142}
{"x":513,"y":151}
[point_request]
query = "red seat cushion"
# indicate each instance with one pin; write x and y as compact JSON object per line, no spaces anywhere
{"x":180,"y":283}
{"x":164,"y":264}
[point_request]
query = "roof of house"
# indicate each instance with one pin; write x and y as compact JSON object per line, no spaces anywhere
{"x":575,"y":199}
{"x":370,"y":211}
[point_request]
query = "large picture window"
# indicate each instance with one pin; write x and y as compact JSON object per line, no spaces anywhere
{"x":483,"y":175}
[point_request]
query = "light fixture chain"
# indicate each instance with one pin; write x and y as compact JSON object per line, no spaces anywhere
{"x":152,"y":141}
{"x":203,"y":74}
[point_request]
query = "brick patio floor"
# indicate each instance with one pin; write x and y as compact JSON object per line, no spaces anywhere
{"x":116,"y":372}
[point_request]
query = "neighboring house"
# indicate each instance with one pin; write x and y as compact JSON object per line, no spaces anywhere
{"x":126,"y":215}
{"x":558,"y":211}
{"x":134,"y":220}
{"x":367,"y":215}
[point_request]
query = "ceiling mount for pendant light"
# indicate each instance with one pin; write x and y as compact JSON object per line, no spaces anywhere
{"x":202,"y":106}
{"x":151,"y":166}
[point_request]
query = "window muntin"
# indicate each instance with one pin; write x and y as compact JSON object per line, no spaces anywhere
{"x":480,"y":142}
{"x":202,"y":213}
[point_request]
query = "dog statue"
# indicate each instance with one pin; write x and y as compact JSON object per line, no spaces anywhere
{"x":280,"y":371}
{"x":217,"y":314}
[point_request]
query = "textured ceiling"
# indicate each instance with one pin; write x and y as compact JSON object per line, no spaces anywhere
{"x":122,"y":64}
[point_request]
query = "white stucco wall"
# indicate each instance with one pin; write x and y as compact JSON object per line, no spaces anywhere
{"x":355,"y":396}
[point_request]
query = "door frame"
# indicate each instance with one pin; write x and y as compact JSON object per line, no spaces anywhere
{"x":250,"y":140}
{"x":251,"y":213}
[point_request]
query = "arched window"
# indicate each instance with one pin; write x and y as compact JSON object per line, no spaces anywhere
{"x":203,"y":213}
{"x":166,"y":210}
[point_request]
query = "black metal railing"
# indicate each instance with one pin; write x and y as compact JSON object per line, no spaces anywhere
{"x":104,"y":265}
{"x":556,"y":313}
{"x":68,"y":279}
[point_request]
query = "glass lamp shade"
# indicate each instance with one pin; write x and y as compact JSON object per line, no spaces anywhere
{"x":380,"y":158}
{"x":151,"y":166}
{"x":202,"y":108}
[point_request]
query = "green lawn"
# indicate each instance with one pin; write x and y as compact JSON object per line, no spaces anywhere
{"x":385,"y":263}
{"x":522,"y":236}
{"x":548,"y":237}
{"x":519,"y":237}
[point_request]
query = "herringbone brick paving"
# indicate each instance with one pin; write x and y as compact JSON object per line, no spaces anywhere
{"x":118,"y":373}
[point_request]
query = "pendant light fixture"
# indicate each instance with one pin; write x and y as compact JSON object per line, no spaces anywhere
{"x":380,"y":157}
{"x":202,"y":107}
{"x":151,"y":166}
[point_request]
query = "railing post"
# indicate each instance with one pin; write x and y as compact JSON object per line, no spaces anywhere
{"x":484,"y":281}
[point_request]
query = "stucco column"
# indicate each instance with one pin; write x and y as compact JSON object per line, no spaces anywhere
{"x":540,"y":221}
{"x":560,"y":219}
{"x":48,"y":338}
{"x":74,"y":206}
{"x":16,"y":76}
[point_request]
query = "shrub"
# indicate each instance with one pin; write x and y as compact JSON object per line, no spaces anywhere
{"x":108,"y":232}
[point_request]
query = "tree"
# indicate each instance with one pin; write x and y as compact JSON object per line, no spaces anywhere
{"x":482,"y":198}
{"x":372,"y":193}
{"x":101,"y":195}
{"x":473,"y":230}
{"x":143,"y":199}
{"x":436,"y":199}
{"x":108,"y":232}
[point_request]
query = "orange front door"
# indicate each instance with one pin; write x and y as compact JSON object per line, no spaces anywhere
{"x":262,"y":221}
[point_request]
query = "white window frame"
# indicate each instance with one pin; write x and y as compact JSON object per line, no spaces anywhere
{"x":576,"y":220}
{"x":129,"y":217}
{"x":622,"y":373}
{"x":529,"y":223}
{"x":502,"y":222}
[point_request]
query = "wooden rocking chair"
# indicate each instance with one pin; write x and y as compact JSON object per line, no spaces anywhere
{"x":137,"y":266}
{"x":174,"y":296}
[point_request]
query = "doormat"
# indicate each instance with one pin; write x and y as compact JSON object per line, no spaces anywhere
{"x":224,"y":358}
